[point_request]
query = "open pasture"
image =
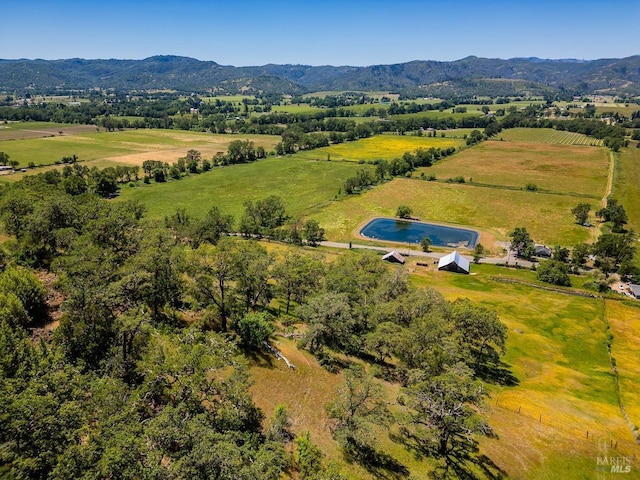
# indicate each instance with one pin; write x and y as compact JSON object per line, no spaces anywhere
{"x":626,"y":186}
{"x":494,"y":213}
{"x":556,"y":348}
{"x":558,"y":168}
{"x":125,"y":147}
{"x":624,"y":320}
{"x":24,"y":130}
{"x":305,"y":187}
{"x":547,"y":135}
{"x":385,"y":147}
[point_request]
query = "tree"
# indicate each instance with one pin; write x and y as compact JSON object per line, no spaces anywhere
{"x":358,"y":404}
{"x":308,"y":458}
{"x":253,"y":271}
{"x":212,"y":227}
{"x":521,"y":242}
{"x":330,"y":322}
{"x":23,"y":285}
{"x":554,"y":272}
{"x":480,"y":331}
{"x":425,"y":243}
{"x":263,"y":217}
{"x":477,"y":252}
{"x":614,"y":213}
{"x":254,"y":329}
{"x":383,"y":341}
{"x":581,"y":213}
{"x":297,"y":275}
{"x":312,"y":232}
{"x":212,"y":273}
{"x":619,"y":248}
{"x":442,"y":412}
{"x":579,"y":254}
{"x":280,"y":425}
{"x":403,"y":211}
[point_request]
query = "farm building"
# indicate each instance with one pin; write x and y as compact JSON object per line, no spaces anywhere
{"x":393,"y":257}
{"x":635,"y":290}
{"x":543,"y":251}
{"x":454,"y":262}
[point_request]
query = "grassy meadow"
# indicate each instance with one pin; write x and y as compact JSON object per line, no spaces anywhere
{"x":493,"y":212}
{"x":556,"y":348}
{"x":305,"y":186}
{"x":558,"y":168}
{"x":626,"y":186}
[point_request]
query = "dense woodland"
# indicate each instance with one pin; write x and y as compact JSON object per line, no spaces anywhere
{"x":145,"y":375}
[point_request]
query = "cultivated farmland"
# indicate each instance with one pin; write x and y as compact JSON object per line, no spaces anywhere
{"x":547,"y":135}
{"x":385,"y":147}
{"x":130,"y":147}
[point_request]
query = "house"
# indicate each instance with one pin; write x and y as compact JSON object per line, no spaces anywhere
{"x":454,"y":262}
{"x":543,"y":251}
{"x":393,"y":257}
{"x":635,"y":290}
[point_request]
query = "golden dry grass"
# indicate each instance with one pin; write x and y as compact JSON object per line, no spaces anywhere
{"x":556,"y":347}
{"x":624,"y":320}
{"x":560,"y":168}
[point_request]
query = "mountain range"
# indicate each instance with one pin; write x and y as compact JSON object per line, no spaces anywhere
{"x":470,"y":75}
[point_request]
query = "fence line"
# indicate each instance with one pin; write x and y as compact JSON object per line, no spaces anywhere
{"x":599,"y":436}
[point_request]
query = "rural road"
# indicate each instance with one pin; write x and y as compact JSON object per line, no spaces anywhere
{"x":410,"y":252}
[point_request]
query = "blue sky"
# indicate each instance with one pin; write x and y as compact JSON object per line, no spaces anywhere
{"x":328,"y":32}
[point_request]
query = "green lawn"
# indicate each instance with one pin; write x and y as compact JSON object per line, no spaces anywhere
{"x":305,"y":186}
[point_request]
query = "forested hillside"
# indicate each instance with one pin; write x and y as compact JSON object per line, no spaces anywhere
{"x":483,"y":76}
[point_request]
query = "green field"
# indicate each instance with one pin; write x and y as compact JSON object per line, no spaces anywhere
{"x":385,"y":147}
{"x":626,"y":185}
{"x":126,"y":147}
{"x":547,"y":135}
{"x":305,"y":186}
{"x":558,"y":168}
{"x":495,"y":213}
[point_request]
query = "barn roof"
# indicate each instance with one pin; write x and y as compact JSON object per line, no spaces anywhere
{"x":454,"y":262}
{"x":394,"y":257}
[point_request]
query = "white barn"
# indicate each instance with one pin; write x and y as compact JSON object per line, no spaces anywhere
{"x":454,"y":262}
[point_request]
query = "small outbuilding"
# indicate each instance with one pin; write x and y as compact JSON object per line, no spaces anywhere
{"x":635,"y":290}
{"x":393,"y":257}
{"x":543,"y":251}
{"x":454,"y":262}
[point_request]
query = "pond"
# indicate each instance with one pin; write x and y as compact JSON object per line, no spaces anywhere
{"x":405,"y":231}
